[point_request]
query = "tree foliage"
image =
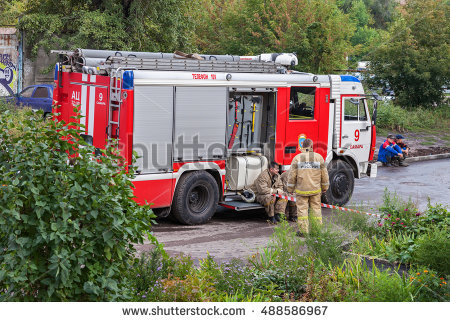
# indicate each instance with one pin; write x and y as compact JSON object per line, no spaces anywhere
{"x":107,"y":24}
{"x":413,"y":58}
{"x":326,"y":35}
{"x":382,"y":11}
{"x":10,"y":10}
{"x":316,"y":30}
{"x":66,"y":228}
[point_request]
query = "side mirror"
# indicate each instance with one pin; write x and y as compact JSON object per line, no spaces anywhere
{"x":376,"y":96}
{"x":374,"y":114}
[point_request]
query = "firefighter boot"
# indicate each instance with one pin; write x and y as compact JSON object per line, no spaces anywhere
{"x":272,"y":220}
{"x":279,"y":217}
{"x":300,"y":234}
{"x":293,"y":218}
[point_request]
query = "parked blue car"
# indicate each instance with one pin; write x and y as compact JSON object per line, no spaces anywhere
{"x":38,"y":97}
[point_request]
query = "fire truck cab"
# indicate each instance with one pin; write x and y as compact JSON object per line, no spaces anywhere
{"x":205,"y":129}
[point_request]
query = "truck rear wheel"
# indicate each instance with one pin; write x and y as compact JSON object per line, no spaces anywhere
{"x":196,"y":197}
{"x":342,"y":182}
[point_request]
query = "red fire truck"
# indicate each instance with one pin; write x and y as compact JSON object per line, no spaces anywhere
{"x":205,"y":126}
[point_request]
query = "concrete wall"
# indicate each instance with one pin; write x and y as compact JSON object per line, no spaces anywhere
{"x":9,"y":61}
{"x":33,"y":69}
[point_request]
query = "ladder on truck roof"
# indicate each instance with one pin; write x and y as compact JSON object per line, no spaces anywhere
{"x":243,"y":66}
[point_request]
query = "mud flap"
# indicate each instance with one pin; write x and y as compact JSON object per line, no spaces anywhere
{"x":372,"y":170}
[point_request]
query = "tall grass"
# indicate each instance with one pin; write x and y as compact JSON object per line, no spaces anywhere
{"x":394,"y":117}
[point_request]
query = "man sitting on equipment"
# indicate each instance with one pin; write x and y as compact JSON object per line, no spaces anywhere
{"x":267,"y":184}
{"x":389,"y":152}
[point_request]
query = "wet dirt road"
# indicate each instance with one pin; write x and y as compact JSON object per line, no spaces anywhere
{"x":240,"y":234}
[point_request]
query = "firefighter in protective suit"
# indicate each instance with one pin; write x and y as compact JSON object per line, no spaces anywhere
{"x":267,"y":184}
{"x":308,"y":178}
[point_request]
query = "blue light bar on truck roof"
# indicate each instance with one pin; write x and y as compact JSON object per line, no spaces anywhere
{"x":128,"y":79}
{"x":349,"y":78}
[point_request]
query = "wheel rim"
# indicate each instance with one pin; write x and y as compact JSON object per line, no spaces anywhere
{"x":340,"y":184}
{"x":198,"y":197}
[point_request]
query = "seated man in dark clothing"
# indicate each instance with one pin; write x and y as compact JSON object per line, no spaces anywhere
{"x":404,"y":147}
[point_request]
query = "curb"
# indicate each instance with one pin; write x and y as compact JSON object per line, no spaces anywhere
{"x":424,"y":158}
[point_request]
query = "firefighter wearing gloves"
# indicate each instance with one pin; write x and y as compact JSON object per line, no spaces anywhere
{"x":265,"y":186}
{"x":308,"y":178}
{"x":291,"y":207}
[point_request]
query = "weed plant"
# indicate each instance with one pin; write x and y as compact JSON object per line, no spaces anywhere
{"x":325,"y":244}
{"x":398,"y":215}
{"x":356,"y":222}
{"x":281,"y":263}
{"x":394,"y":247}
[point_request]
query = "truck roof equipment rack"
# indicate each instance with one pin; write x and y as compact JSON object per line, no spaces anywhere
{"x":103,"y":62}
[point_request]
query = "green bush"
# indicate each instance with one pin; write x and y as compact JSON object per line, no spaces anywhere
{"x":433,"y":251}
{"x":7,"y":106}
{"x":436,"y":217}
{"x":67,"y":226}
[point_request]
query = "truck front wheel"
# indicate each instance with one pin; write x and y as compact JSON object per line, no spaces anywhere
{"x":196,"y":197}
{"x":342,"y":182}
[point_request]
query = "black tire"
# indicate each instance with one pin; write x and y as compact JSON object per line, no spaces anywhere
{"x":162,"y":212}
{"x":342,"y":182}
{"x":196,"y":198}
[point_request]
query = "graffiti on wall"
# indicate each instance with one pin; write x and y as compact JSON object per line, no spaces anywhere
{"x":9,"y":61}
{"x":8,"y":75}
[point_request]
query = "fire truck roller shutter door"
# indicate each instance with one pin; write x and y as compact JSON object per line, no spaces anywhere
{"x":200,"y":123}
{"x":153,"y":123}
